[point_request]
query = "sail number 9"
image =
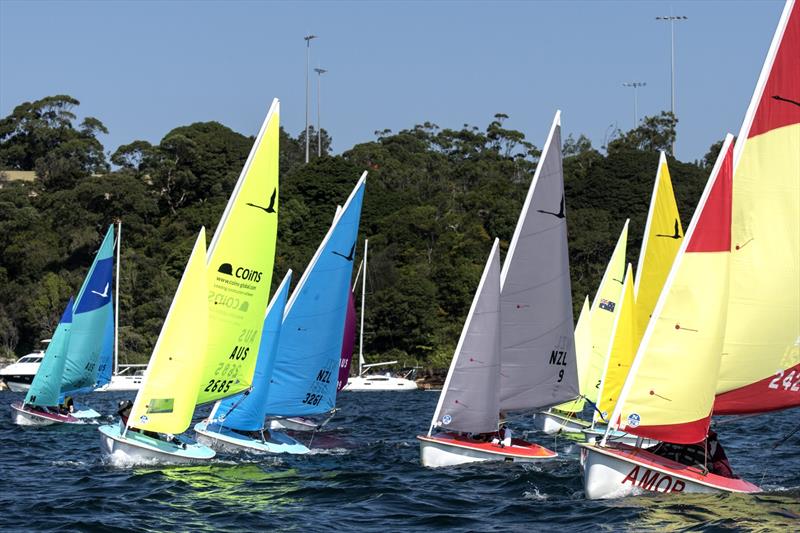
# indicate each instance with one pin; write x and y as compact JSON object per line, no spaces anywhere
{"x":786,"y":382}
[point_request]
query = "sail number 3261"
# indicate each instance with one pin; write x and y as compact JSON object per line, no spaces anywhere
{"x":788,"y":384}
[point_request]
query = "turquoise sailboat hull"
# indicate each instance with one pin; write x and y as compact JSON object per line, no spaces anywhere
{"x":137,"y":447}
{"x":224,"y":439}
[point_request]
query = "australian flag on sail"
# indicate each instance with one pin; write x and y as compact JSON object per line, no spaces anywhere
{"x":608,"y":305}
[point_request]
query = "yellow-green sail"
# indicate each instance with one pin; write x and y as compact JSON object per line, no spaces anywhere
{"x":604,"y":310}
{"x":167,"y":399}
{"x":240,"y":260}
{"x":622,"y":350}
{"x":583,"y":349}
{"x":663,"y":235}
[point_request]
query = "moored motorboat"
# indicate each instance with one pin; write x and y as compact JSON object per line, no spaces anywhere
{"x":451,"y":449}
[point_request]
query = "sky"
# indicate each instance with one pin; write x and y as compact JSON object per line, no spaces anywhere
{"x":146,"y":67}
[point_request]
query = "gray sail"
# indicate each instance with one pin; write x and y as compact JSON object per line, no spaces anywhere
{"x":538,"y":351}
{"x":470,"y":399}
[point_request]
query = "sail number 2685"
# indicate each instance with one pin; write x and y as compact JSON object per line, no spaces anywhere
{"x":786,"y":382}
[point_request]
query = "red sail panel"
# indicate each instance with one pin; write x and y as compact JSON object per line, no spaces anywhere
{"x":713,"y":230}
{"x":779,"y":391}
{"x":780,"y":101}
{"x":348,"y":341}
{"x":683,"y":433}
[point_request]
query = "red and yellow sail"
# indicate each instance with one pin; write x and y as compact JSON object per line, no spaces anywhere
{"x":669,"y":392}
{"x":760,"y":368}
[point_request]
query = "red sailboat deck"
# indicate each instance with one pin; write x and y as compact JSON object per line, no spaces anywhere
{"x":519,"y":448}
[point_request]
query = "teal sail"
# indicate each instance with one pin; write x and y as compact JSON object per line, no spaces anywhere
{"x":105,"y":365}
{"x":91,"y":314}
{"x":44,"y":390}
{"x":310,"y":344}
{"x":246,"y":411}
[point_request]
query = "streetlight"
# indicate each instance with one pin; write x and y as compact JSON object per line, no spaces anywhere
{"x":320,"y":72}
{"x":672,"y":19}
{"x":635,"y":85}
{"x":308,"y":39}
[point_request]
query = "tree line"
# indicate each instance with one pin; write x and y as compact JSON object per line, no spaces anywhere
{"x":435,"y":200}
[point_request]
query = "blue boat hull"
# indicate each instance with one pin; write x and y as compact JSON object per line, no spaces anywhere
{"x":230,"y":441}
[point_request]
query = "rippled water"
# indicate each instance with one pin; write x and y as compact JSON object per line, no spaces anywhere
{"x":365,"y":475}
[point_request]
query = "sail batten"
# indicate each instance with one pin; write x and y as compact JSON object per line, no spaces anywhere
{"x":538,"y":367}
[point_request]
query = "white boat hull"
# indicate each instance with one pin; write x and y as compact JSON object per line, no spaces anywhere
{"x":553,"y":423}
{"x":136,"y":448}
{"x":25,"y":416}
{"x":296,"y":424}
{"x":617,"y":437}
{"x":607,"y":476}
{"x":122,"y":384}
{"x":379,"y":383}
{"x":17,"y":386}
{"x":434,"y":453}
{"x":228,"y":441}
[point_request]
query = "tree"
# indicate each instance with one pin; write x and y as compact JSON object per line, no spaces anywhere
{"x":655,"y":133}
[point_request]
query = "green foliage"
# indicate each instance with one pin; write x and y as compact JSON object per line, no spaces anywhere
{"x":436,"y":198}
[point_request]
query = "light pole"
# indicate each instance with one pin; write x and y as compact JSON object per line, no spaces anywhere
{"x":672,"y":19}
{"x":635,"y":85}
{"x":308,"y":39}
{"x":320,"y":72}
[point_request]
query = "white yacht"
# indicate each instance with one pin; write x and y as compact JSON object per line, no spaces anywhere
{"x":380,"y":382}
{"x":18,"y":376}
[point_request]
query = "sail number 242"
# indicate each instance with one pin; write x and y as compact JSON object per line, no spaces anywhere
{"x":788,"y":382}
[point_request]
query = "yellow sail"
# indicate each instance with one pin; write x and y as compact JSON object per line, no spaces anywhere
{"x":760,"y":369}
{"x":625,"y":341}
{"x":604,"y":310}
{"x":166,"y":402}
{"x":583,"y":349}
{"x":663,"y":235}
{"x":240,"y":260}
{"x":669,"y":392}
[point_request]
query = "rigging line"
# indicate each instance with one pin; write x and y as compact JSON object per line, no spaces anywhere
{"x":234,"y":406}
{"x":787,"y":437}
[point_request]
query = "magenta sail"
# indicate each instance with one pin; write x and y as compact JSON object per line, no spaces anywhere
{"x":348,"y":341}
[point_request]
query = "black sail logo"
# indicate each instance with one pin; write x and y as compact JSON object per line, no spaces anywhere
{"x":675,"y":235}
{"x":271,"y":207}
{"x":560,"y":213}
{"x":348,"y":257}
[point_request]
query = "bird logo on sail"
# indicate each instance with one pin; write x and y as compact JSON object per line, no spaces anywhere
{"x":560,"y":213}
{"x":271,"y":207}
{"x":675,"y":235}
{"x":348,"y":257}
{"x":102,"y":294}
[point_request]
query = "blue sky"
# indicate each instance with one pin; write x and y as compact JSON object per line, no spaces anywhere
{"x":144,"y":68}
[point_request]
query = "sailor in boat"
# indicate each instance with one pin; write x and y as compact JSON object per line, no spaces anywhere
{"x":708,"y":455}
{"x":67,"y":407}
{"x":124,"y":411}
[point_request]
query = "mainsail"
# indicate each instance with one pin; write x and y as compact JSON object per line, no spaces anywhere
{"x":625,"y":341}
{"x":310,"y":345}
{"x":168,"y":396}
{"x":760,"y":369}
{"x":669,"y":392}
{"x":46,"y":385}
{"x":538,"y":350}
{"x":240,"y":260}
{"x":662,"y":238}
{"x":90,"y":318}
{"x":605,"y":308}
{"x":246,"y":411}
{"x":469,"y":402}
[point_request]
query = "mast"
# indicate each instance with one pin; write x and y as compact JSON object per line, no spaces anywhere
{"x":363,"y":293}
{"x":116,"y":301}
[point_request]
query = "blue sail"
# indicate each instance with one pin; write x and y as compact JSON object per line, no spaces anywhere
{"x":246,"y":411}
{"x":92,"y":311}
{"x":44,"y":390}
{"x":105,"y":365}
{"x":310,"y":345}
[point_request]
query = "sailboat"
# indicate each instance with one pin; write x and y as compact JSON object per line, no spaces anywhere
{"x":537,"y":353}
{"x":208,"y":343}
{"x":305,"y":375}
{"x":374,"y":382}
{"x":467,"y":414}
{"x":237,"y":422}
{"x":79,"y":356}
{"x":717,"y":314}
{"x":593,"y":334}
